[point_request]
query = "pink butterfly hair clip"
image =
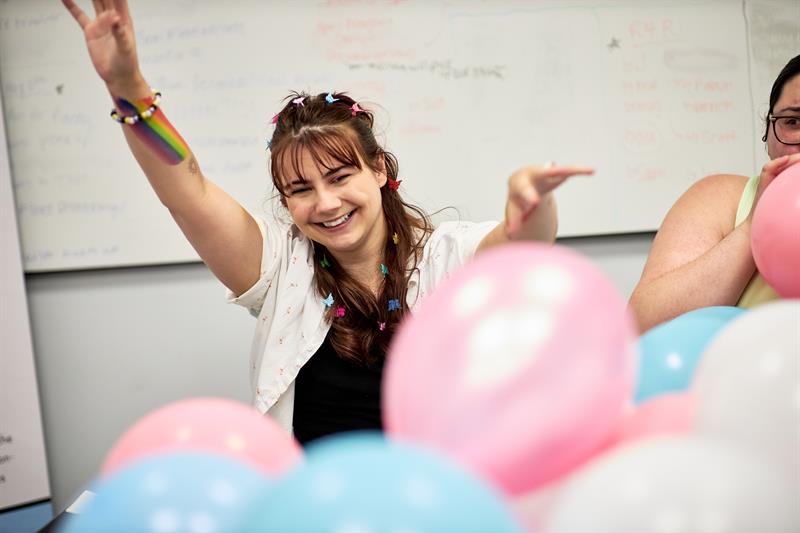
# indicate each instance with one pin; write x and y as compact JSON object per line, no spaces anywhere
{"x":354,"y":109}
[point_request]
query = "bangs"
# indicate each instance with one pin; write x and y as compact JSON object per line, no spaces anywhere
{"x":328,"y":147}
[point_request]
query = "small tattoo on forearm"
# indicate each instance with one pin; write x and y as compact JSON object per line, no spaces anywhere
{"x":193,"y":166}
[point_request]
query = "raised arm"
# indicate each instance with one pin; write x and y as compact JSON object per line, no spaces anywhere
{"x":221,"y":231}
{"x":531,"y":207}
{"x":698,"y":258}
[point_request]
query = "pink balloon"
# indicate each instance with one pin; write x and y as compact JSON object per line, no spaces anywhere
{"x":662,"y":415}
{"x":213,"y":425}
{"x":775,"y":234}
{"x":519,"y":365}
{"x":532,"y":509}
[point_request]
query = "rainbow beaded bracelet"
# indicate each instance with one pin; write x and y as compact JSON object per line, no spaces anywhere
{"x":143,"y":115}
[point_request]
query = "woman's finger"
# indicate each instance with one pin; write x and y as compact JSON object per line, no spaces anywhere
{"x":545,"y":184}
{"x":770,"y":170}
{"x":121,"y":6}
{"x":776,"y":166}
{"x":103,"y":24}
{"x":77,"y":13}
{"x":522,"y":191}
{"x":98,"y":7}
{"x":792,"y":159}
{"x":770,"y":166}
{"x":513,"y":219}
{"x":565,"y":171}
{"x":522,"y":200}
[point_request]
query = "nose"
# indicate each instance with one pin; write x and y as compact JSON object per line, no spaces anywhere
{"x":327,"y":200}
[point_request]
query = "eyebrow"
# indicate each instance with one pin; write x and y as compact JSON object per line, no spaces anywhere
{"x":790,"y":109}
{"x":328,"y":174}
{"x":335,"y":170}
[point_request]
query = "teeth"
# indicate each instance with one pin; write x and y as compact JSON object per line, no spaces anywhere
{"x":334,"y":223}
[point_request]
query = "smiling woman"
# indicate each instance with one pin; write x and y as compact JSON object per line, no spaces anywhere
{"x":330,"y":287}
{"x":335,"y":180}
{"x":359,"y":259}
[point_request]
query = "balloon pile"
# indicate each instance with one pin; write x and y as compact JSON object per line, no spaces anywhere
{"x":721,"y":455}
{"x":518,"y":397}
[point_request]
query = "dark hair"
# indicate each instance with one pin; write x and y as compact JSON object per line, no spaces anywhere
{"x":326,"y":127}
{"x":791,"y":70}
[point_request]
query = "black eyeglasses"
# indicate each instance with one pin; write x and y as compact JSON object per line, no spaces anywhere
{"x":786,"y":129}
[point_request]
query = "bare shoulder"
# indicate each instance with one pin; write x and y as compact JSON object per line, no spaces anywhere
{"x":698,"y":220}
{"x":720,"y":188}
{"x":718,"y":185}
{"x":712,"y":200}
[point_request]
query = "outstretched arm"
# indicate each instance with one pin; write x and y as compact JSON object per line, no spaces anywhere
{"x":221,"y":231}
{"x":531,"y":207}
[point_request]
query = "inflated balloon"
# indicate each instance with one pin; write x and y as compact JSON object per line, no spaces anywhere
{"x":675,"y":484}
{"x":775,"y":233}
{"x":668,"y":414}
{"x":180,"y":492}
{"x":532,"y":509}
{"x":663,"y":415}
{"x":669,"y":353}
{"x":362,"y":482}
{"x":748,"y":385}
{"x":214,"y":425}
{"x":519,"y":365}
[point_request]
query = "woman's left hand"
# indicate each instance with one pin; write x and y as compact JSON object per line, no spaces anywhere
{"x":529,"y":187}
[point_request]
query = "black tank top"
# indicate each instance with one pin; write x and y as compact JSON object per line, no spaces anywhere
{"x":333,"y":394}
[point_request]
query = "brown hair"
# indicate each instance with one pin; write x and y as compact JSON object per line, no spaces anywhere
{"x":331,"y":132}
{"x":789,"y":71}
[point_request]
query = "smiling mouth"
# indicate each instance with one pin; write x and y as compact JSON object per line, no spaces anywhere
{"x":337,"y":222}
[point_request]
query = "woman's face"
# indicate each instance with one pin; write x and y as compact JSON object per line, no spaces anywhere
{"x":788,"y":105}
{"x":339,"y":207}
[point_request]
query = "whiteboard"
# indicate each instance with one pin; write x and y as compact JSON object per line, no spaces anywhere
{"x":23,"y":467}
{"x":653,"y":94}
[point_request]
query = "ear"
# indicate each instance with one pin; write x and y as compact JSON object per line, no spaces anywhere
{"x":380,"y":175}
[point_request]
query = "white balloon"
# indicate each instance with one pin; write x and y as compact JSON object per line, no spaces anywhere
{"x":747,"y":385}
{"x":676,"y":484}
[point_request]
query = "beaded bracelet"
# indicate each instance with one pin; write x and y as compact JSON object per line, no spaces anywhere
{"x":144,"y":115}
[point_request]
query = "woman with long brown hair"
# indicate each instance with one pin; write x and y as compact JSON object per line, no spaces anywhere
{"x":330,"y":286}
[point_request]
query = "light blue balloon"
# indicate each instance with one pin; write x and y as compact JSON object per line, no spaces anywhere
{"x":362,"y":482}
{"x":669,"y":353}
{"x":176,"y":492}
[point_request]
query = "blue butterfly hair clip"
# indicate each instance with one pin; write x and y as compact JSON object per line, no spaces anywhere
{"x":329,"y":300}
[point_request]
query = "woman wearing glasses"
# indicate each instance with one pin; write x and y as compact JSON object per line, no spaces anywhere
{"x":701,"y":255}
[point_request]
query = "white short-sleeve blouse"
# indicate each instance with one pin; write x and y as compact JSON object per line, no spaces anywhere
{"x":291,"y":324}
